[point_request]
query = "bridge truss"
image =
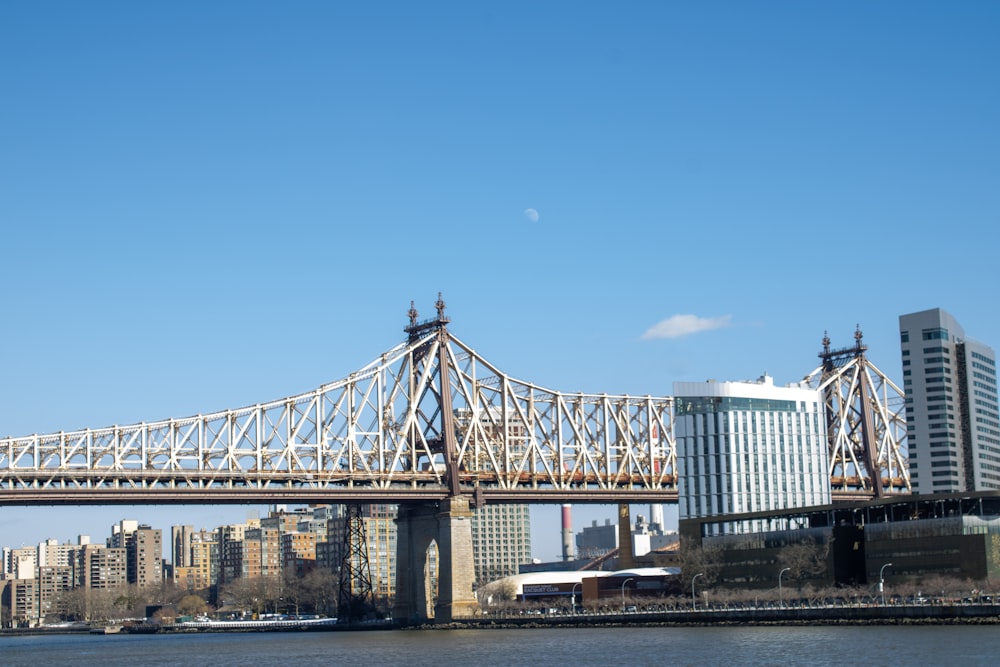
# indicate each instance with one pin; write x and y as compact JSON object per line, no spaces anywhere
{"x":866,"y":424}
{"x":427,"y":419}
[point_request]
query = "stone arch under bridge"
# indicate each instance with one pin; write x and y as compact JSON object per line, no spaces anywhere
{"x":447,"y":523}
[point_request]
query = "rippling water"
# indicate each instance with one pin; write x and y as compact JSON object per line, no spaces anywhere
{"x":884,"y":646}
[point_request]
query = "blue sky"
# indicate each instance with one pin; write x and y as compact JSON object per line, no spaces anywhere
{"x":208,"y":205}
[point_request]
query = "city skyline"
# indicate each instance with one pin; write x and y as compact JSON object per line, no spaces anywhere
{"x":208,"y":207}
{"x":111,"y":516}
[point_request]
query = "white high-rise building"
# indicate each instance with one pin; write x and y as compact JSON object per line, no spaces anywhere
{"x":749,"y":447}
{"x":952,"y":413}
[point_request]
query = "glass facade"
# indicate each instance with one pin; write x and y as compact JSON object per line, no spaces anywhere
{"x":748,"y":447}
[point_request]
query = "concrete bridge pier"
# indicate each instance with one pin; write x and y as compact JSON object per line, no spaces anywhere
{"x":449,"y":524}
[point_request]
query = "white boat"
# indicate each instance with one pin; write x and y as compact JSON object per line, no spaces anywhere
{"x":260,"y":624}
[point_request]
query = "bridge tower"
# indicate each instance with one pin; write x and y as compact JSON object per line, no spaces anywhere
{"x":866,"y":423}
{"x":448,"y":523}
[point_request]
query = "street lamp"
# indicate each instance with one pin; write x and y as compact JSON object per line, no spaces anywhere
{"x":572,"y":594}
{"x":623,"y":593}
{"x":781,"y":598}
{"x":881,"y":582}
{"x":694,"y":600}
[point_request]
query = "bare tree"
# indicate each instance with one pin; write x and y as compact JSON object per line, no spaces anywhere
{"x":703,"y":561}
{"x":321,"y":587}
{"x":192,"y":605}
{"x":101,"y":604}
{"x":806,"y":558}
{"x":293,"y":590}
{"x":75,"y":604}
{"x":508,"y":589}
{"x":944,"y":587}
{"x":248,"y":594}
{"x":131,"y":600}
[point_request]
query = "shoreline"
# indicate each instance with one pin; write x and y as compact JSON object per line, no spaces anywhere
{"x":883,"y":616}
{"x":861,"y":615}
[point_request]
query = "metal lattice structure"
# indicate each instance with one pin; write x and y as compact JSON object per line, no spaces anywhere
{"x":866,"y":424}
{"x":354,"y":599}
{"x":427,"y":419}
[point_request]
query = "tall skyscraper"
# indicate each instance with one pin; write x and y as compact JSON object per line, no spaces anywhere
{"x":749,"y":447}
{"x":952,"y":414}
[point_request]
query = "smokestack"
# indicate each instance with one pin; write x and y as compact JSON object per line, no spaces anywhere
{"x":656,"y":518}
{"x":567,"y":534}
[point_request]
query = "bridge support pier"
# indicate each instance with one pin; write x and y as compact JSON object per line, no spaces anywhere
{"x":449,"y":524}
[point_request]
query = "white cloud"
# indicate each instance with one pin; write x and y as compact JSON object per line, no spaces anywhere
{"x":531,"y":214}
{"x":678,"y":326}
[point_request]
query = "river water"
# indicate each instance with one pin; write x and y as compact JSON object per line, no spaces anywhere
{"x":885,"y":646}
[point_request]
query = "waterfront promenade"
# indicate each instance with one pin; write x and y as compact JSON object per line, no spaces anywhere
{"x":824,"y":614}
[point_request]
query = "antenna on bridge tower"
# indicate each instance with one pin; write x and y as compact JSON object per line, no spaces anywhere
{"x":439,"y":304}
{"x":416,"y":329}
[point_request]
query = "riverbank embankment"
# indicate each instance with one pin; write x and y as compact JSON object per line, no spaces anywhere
{"x":971,"y":614}
{"x":956,"y":614}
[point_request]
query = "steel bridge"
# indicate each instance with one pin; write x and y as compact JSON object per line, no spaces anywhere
{"x":431,"y":419}
{"x":426,"y":420}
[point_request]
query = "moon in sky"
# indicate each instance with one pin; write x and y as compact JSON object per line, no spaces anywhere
{"x":531,"y":214}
